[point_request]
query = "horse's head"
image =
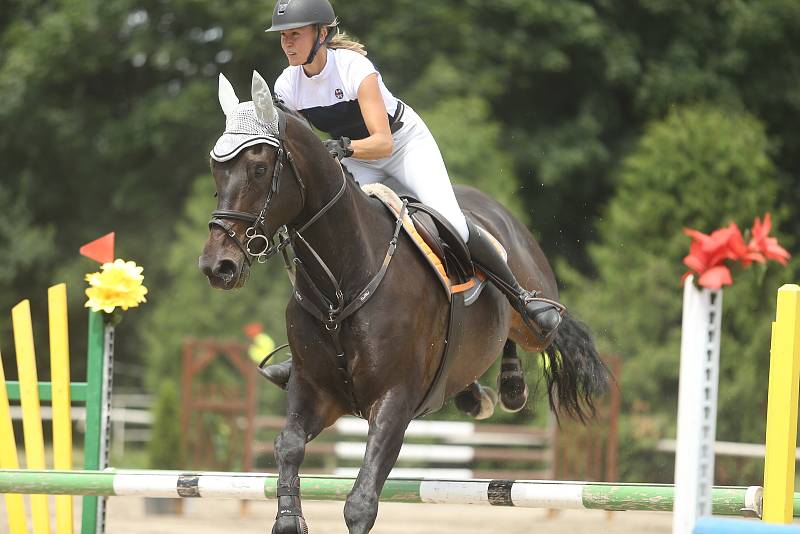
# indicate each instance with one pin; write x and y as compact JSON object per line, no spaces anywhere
{"x":257,"y":188}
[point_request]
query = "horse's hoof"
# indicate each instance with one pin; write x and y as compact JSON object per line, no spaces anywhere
{"x":514,"y":403}
{"x":477,"y":401}
{"x":487,"y":404}
{"x":290,"y":525}
{"x":511,"y":384}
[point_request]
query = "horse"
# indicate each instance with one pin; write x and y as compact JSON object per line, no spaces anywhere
{"x":385,"y":354}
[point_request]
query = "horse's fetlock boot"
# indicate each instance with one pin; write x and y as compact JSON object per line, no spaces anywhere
{"x":290,"y":525}
{"x":511,"y":385}
{"x":514,"y":400}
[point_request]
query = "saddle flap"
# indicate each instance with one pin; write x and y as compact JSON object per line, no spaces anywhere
{"x":450,"y":237}
{"x":427,"y":229}
{"x":392,"y":202}
{"x":423,"y":222}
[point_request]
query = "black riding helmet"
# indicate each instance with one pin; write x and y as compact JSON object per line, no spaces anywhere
{"x":290,"y":14}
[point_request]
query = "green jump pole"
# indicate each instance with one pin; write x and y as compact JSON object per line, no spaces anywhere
{"x":731,"y":501}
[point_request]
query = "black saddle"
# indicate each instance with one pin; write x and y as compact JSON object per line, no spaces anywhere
{"x":438,"y":233}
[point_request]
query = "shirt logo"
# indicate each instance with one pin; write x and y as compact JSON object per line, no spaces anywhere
{"x":339,"y":94}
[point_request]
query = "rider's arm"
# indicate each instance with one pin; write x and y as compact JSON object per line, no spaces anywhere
{"x":379,"y":143}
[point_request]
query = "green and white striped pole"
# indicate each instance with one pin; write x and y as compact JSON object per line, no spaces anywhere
{"x":731,"y":501}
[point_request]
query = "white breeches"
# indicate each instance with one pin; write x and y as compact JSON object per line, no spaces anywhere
{"x":417,"y":164}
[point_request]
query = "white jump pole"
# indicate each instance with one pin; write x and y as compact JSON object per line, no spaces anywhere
{"x":697,"y":406}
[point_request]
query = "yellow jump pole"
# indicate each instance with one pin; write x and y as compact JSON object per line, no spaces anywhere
{"x":62,"y":421}
{"x":31,"y":413}
{"x":784,"y":381}
{"x":15,"y":505}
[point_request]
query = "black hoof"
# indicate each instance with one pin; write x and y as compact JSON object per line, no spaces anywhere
{"x":511,"y":385}
{"x":290,"y":525}
{"x":469,"y":401}
{"x":477,"y":401}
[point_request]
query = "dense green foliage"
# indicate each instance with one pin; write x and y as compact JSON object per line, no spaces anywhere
{"x":709,"y":166}
{"x":165,"y":445}
{"x":607,"y":125}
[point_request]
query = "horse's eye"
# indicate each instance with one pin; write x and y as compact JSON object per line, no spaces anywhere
{"x":215,"y":194}
{"x":261,"y":170}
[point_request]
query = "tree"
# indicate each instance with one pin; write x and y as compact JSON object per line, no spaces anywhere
{"x":702,"y":167}
{"x":188,"y":307}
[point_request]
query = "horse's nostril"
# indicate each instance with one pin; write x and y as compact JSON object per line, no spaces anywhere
{"x":226,"y":269}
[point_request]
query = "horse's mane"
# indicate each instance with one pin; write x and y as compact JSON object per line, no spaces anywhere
{"x":280,"y":104}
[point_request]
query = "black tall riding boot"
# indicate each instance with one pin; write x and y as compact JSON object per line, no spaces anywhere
{"x":540,"y":314}
{"x":277,"y":373}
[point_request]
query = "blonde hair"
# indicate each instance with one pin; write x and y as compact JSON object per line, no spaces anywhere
{"x":343,"y":41}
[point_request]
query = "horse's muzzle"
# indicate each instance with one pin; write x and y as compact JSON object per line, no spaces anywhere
{"x":223,"y":273}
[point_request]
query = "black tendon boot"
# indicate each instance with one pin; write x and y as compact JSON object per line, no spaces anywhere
{"x":542,"y":315}
{"x":277,"y":373}
{"x":290,"y":518}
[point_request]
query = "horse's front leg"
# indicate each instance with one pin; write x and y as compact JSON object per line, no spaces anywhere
{"x":305,"y":418}
{"x":388,"y":422}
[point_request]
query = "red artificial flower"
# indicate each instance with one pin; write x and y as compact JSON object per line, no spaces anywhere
{"x":763,"y":245}
{"x":716,"y":277}
{"x":708,"y":253}
{"x":251,"y":330}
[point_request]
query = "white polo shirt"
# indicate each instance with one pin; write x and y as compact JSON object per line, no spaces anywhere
{"x":329,"y":100}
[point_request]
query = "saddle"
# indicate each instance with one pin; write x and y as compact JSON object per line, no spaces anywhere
{"x":448,"y":255}
{"x":437,"y":240}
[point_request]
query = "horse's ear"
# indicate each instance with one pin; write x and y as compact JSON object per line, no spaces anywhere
{"x":262,"y":100}
{"x":227,"y":96}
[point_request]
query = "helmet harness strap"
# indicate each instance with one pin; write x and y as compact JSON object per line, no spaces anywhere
{"x":332,"y":31}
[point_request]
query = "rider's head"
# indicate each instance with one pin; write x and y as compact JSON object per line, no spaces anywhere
{"x":305,"y":26}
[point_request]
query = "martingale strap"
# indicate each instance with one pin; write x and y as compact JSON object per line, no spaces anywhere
{"x":336,"y":312}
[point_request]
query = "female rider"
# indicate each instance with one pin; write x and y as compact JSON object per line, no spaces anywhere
{"x":331,"y":82}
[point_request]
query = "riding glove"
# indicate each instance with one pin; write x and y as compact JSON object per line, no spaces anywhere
{"x":339,"y":148}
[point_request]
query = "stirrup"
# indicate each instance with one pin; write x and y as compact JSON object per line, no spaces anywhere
{"x":532,"y":296}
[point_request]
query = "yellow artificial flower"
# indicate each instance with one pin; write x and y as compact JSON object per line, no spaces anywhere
{"x":119,"y":284}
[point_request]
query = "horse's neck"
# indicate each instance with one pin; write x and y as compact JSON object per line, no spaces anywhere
{"x":343,"y":237}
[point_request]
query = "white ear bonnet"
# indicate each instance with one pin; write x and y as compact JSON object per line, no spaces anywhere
{"x":246,"y":123}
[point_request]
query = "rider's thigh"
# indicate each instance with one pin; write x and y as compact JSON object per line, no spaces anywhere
{"x":421,"y":169}
{"x":364,"y":172}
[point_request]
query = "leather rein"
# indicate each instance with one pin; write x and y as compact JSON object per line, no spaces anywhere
{"x":330,"y":312}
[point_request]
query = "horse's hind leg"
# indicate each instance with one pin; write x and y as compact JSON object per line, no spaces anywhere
{"x":511,"y":381}
{"x":388,"y":422}
{"x":304,"y":420}
{"x":477,"y":401}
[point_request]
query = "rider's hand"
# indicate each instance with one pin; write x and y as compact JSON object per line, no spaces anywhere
{"x":339,"y":148}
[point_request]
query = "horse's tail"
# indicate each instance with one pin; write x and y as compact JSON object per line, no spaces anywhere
{"x":574,"y":372}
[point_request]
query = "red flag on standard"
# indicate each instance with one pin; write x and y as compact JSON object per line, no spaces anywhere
{"x":100,"y":250}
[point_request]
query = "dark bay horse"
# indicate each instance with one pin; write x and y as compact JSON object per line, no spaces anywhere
{"x":393,"y":343}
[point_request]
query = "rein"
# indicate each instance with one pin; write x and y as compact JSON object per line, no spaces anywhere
{"x":330,"y":312}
